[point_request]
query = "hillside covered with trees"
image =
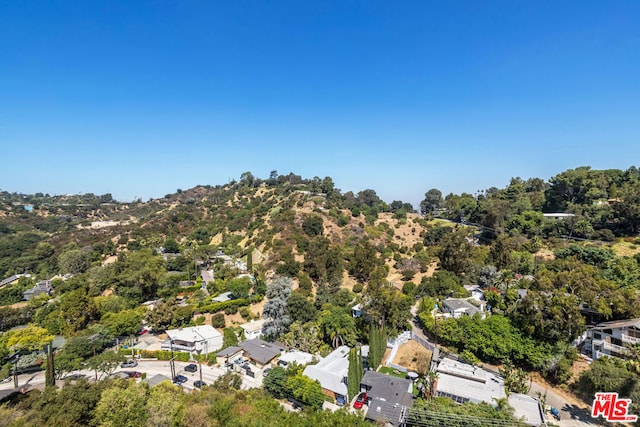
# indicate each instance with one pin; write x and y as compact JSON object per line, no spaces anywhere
{"x":313,"y":252}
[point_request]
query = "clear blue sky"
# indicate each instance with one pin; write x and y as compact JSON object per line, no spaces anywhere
{"x":140,"y":98}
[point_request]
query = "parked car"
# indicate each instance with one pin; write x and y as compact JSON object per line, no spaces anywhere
{"x":360,"y":400}
{"x":73,"y":377}
{"x":129,"y":364}
{"x":134,"y":374}
{"x":180,"y":379}
{"x":199,"y":383}
{"x":191,"y":368}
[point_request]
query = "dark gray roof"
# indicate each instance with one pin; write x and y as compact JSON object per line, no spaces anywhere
{"x":618,"y":324}
{"x":261,"y":351}
{"x":389,"y":396}
{"x":157,"y":379}
{"x":228,"y":351}
{"x":458,"y":303}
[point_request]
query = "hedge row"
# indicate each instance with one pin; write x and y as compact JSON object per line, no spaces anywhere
{"x":236,"y":303}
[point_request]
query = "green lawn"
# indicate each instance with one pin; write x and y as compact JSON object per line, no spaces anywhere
{"x":390,"y":371}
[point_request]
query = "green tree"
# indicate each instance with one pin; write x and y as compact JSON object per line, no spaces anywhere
{"x":30,"y":338}
{"x":105,"y":362}
{"x":274,"y":311}
{"x":126,"y":322}
{"x":455,"y":252}
{"x":76,"y":311}
{"x":300,"y":309}
{"x":122,"y":407}
{"x":363,"y":261}
{"x":355,"y":372}
{"x":74,"y":261}
{"x":432,"y":201}
{"x":338,"y":327}
{"x":164,"y":405}
{"x":312,"y":225}
{"x":229,"y":338}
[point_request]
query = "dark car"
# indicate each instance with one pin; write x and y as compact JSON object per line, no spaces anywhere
{"x":191,"y":368}
{"x":134,"y":374}
{"x":129,"y":364}
{"x":179,"y":379}
{"x":360,"y":400}
{"x":199,"y":383}
{"x":72,"y":377}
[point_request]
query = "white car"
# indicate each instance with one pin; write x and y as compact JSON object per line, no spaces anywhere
{"x":129,"y":364}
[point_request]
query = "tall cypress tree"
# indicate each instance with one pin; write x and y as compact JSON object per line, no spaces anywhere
{"x":353,"y":384}
{"x":374,"y":353}
{"x":377,"y":346}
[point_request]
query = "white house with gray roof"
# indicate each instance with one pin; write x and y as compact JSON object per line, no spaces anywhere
{"x":332,"y":373}
{"x":458,"y":307}
{"x":202,"y":339}
{"x":467,"y":383}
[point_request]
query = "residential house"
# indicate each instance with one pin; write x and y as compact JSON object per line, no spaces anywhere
{"x":43,"y":287}
{"x":152,"y":304}
{"x":389,"y":397}
{"x":228,"y":355}
{"x":156,"y":379}
{"x":558,"y":215}
{"x":203,"y":339}
{"x":356,"y":310}
{"x":476,"y":292}
{"x":261,"y":353}
{"x":223,"y":297}
{"x":295,"y":356}
{"x":12,"y":279}
{"x":253,"y":329}
{"x":332,"y":373}
{"x":467,"y":383}
{"x":611,"y":338}
{"x":458,"y":307}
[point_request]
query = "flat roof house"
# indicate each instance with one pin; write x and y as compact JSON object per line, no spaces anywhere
{"x":295,"y":356}
{"x":332,"y":373}
{"x":226,"y":356}
{"x":467,"y":383}
{"x":253,"y":329}
{"x":204,"y":339}
{"x":610,"y":338}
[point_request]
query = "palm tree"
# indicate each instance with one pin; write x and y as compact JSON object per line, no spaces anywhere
{"x":433,"y":381}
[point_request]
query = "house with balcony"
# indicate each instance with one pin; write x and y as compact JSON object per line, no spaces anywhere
{"x":202,"y":339}
{"x":612,"y":338}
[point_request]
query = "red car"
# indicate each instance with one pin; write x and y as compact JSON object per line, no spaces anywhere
{"x":360,"y":400}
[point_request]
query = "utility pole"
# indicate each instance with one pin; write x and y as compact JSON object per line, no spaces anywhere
{"x":50,"y":378}
{"x":200,"y":366}
{"x":172,"y":362}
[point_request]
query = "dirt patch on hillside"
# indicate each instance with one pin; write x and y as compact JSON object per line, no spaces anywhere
{"x":628,"y":249}
{"x":545,"y":254}
{"x":566,"y":394}
{"x":414,"y":357}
